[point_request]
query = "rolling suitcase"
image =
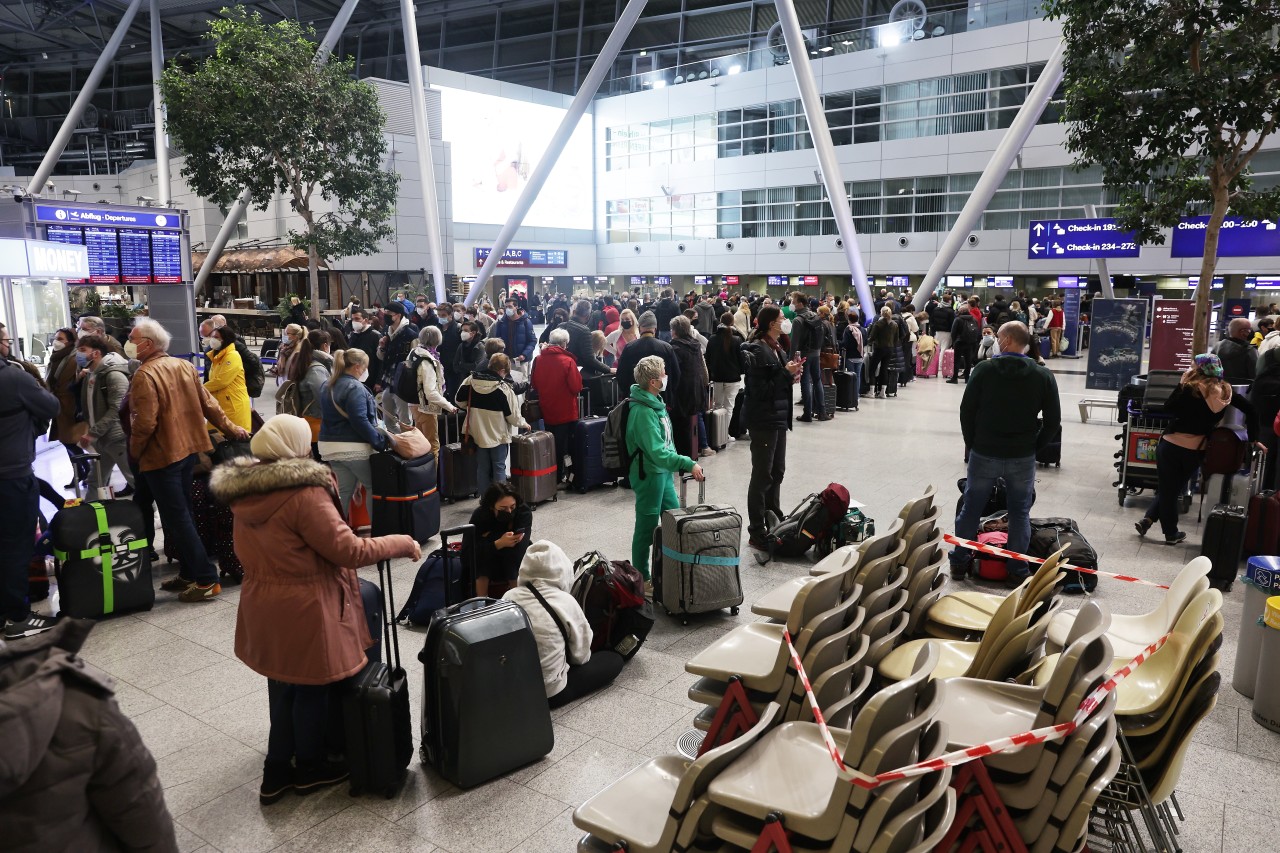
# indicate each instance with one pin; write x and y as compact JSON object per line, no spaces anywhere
{"x":829,"y":397}
{"x":1262,"y":530}
{"x":602,"y":394}
{"x":485,"y":709}
{"x":846,"y":390}
{"x":737,"y":420}
{"x":1223,"y":543}
{"x":948,"y":368}
{"x":375,"y":713}
{"x":457,"y":474}
{"x":1051,"y":453}
{"x":717,"y":428}
{"x":405,"y":497}
{"x":586,"y":452}
{"x":533,"y":467}
{"x":927,"y":370}
{"x":890,"y":382}
{"x":695,"y":557}
{"x":101,"y":559}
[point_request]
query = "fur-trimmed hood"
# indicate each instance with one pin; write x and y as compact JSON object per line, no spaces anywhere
{"x":255,"y":490}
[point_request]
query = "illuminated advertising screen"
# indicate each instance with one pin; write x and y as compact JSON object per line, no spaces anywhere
{"x":809,"y":280}
{"x":495,"y":145}
{"x":729,"y":280}
{"x":518,"y":285}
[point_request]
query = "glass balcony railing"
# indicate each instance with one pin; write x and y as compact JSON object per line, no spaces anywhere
{"x":886,"y":34}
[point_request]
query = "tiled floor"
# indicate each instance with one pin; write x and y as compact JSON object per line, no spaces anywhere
{"x":204,"y":714}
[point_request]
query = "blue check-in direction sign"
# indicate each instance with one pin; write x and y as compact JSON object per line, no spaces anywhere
{"x":1075,"y":239}
{"x":1239,"y":238}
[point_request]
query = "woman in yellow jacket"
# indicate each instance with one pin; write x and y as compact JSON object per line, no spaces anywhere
{"x":226,"y":378}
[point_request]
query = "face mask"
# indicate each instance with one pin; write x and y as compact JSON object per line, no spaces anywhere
{"x":466,"y":336}
{"x":786,"y":327}
{"x":364,"y":376}
{"x":457,"y":315}
{"x":422,"y":310}
{"x":359,"y":327}
{"x":627,"y":324}
{"x":80,"y":333}
{"x":59,"y":346}
{"x":130,"y":349}
{"x":82,"y":360}
{"x":503,"y":514}
{"x":215,"y":344}
{"x":207,"y":341}
{"x":510,"y":312}
{"x":664,"y":384}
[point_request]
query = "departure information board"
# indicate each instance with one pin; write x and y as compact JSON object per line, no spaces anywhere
{"x":125,"y":255}
{"x":166,"y":257}
{"x":135,"y":256}
{"x":65,"y":234}
{"x":104,"y":255}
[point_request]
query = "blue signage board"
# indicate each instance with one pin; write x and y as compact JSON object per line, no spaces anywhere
{"x":67,"y":214}
{"x":1063,"y":239}
{"x":530,"y":258}
{"x":1239,"y":238}
{"x":1117,"y":333}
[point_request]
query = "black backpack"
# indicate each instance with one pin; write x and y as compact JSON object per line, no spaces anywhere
{"x":809,"y":522}
{"x":615,"y":456}
{"x":407,"y":379}
{"x":255,"y":378}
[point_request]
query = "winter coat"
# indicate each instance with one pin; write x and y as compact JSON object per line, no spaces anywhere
{"x":1010,"y":408}
{"x":517,"y":333}
{"x":807,"y":333}
{"x":450,"y":340}
{"x":431,"y":396}
{"x":491,"y":408}
{"x":168,"y":406}
{"x":852,"y":341}
{"x":399,"y":344}
{"x":501,"y":565}
{"x":367,"y":342}
{"x":768,"y":402}
{"x":226,"y":384}
{"x":468,"y":358}
{"x":707,"y":318}
{"x":689,"y":395}
{"x":965,"y":330}
{"x":74,"y":773}
{"x":348,"y":413}
{"x":942,"y":318}
{"x":649,"y":438}
{"x":101,"y":393}
{"x":643,"y":346}
{"x":724,"y":355}
{"x":300,"y":619}
{"x":742,"y":322}
{"x":883,"y":333}
{"x":62,"y":380}
{"x":1239,"y":361}
{"x":315,"y":381}
{"x":581,"y":349}
{"x":24,"y":414}
{"x":553,"y":578}
{"x":665,"y":310}
{"x":556,"y":379}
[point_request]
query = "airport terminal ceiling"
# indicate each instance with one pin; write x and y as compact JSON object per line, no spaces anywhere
{"x":47,"y":48}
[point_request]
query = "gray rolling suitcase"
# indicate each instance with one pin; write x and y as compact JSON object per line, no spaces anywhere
{"x":717,"y":428}
{"x":695,"y":557}
{"x":533,"y":467}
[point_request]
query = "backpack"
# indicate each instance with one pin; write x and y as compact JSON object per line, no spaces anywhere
{"x":254,"y":376}
{"x":616,"y":457}
{"x":809,"y":522}
{"x":441,"y":569}
{"x":406,"y":385}
{"x":289,"y":398}
{"x":989,"y":567}
{"x":611,"y":594}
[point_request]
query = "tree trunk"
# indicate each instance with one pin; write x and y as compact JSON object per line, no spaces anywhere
{"x":1204,"y":301}
{"x":313,"y":279}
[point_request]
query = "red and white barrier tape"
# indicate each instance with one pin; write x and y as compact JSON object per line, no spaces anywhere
{"x":984,"y":548}
{"x":963,"y":756}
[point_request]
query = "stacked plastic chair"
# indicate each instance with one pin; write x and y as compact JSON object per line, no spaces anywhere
{"x":1038,"y":797}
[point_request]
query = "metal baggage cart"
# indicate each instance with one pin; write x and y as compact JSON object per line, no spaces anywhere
{"x":1137,"y":454}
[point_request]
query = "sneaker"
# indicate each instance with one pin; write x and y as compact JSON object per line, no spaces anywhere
{"x":1143,"y":526}
{"x":758,"y":543}
{"x":1176,"y":539}
{"x":177,"y":583}
{"x":126,"y":492}
{"x":196,"y":592}
{"x":308,"y":780}
{"x":277,"y":780}
{"x":953,"y":381}
{"x":648,"y":590}
{"x":705,"y":452}
{"x":29,"y":627}
{"x":805,"y":419}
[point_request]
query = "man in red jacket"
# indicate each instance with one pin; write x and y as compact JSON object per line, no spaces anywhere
{"x":558,"y":383}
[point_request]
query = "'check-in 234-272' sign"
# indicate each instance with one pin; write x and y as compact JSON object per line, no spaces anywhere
{"x":1074,"y":239}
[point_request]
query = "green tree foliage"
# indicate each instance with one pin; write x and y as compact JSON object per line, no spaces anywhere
{"x":262,"y":114}
{"x":1173,"y":98}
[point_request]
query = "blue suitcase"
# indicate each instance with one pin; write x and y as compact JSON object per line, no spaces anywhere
{"x":586,"y":450}
{"x":405,"y":498}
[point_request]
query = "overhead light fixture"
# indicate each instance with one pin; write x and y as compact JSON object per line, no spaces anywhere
{"x":846,"y":42}
{"x":644,"y":53}
{"x":44,"y":55}
{"x":826,"y":49}
{"x":735,"y":69}
{"x":891,"y":35}
{"x":659,"y":84}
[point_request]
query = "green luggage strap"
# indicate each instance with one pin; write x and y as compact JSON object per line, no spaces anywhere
{"x":698,"y":559}
{"x":105,"y":551}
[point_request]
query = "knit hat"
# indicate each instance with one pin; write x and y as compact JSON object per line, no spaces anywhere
{"x":282,"y":437}
{"x":546,"y":561}
{"x":395,"y":307}
{"x":1209,"y":364}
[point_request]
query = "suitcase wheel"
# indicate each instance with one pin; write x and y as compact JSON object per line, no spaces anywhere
{"x":1123,"y":492}
{"x":684,"y":621}
{"x":733,"y":611}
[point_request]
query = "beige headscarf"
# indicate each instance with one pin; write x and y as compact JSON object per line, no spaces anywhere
{"x":283,"y":437}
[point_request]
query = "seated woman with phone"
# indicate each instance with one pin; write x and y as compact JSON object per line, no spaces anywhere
{"x":503,"y":524}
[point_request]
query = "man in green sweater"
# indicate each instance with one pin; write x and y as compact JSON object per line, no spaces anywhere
{"x":1009,"y":411}
{"x":654,"y":458}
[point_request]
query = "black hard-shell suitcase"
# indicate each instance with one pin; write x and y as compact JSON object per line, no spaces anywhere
{"x":1051,"y":453}
{"x":1223,"y":543}
{"x":485,"y":708}
{"x":846,"y":393}
{"x":890,"y":382}
{"x":737,"y":420}
{"x":586,"y":450}
{"x":375,"y":711}
{"x":404,"y":495}
{"x":457,"y":475}
{"x":102,"y":561}
{"x":829,"y":399}
{"x":602,"y":394}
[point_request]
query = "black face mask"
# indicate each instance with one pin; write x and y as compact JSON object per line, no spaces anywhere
{"x":626,"y":324}
{"x":503,"y":515}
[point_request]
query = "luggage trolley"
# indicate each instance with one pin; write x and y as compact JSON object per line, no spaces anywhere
{"x":1137,"y":454}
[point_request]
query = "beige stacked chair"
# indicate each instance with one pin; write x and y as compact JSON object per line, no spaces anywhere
{"x":919,"y":508}
{"x":1131,"y":634}
{"x":651,"y":808}
{"x":965,"y":614}
{"x":790,"y":775}
{"x":868,"y":549}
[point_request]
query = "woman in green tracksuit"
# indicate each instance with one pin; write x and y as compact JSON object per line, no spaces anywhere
{"x":654,"y":458}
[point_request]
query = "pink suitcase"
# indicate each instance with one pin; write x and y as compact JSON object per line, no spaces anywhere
{"x":931,"y":369}
{"x":948,"y":363}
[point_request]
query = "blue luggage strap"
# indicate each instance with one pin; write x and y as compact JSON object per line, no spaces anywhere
{"x":106,"y":551}
{"x":698,"y":559}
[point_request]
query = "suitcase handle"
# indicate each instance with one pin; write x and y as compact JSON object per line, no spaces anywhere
{"x":391,"y":638}
{"x":461,"y":530}
{"x":684,"y":489}
{"x":471,"y":604}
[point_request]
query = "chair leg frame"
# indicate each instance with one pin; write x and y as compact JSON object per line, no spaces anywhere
{"x":773,"y":836}
{"x":994,"y":831}
{"x":734,"y":717}
{"x":1128,"y":793}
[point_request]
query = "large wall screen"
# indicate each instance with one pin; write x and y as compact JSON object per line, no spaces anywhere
{"x":495,"y":144}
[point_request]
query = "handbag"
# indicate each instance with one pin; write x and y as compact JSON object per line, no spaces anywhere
{"x":829,"y":359}
{"x":466,"y":443}
{"x":410,"y":444}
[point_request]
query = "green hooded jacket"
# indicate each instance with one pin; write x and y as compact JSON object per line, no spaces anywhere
{"x":649,"y":437}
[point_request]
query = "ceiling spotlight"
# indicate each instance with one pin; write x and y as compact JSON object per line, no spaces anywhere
{"x":44,"y":55}
{"x":826,"y":49}
{"x":659,"y":84}
{"x":644,"y":53}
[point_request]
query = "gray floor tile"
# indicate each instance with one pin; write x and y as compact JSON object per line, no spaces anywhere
{"x":258,"y":828}
{"x":623,"y":717}
{"x":211,"y":687}
{"x":247,"y":719}
{"x":469,"y":820}
{"x":566,"y":742}
{"x":166,"y":730}
{"x":204,"y":771}
{"x":558,"y":836}
{"x":586,"y":770}
{"x":422,"y":784}
{"x":162,"y":663}
{"x":356,"y":828}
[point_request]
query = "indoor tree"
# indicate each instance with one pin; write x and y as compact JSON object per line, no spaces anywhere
{"x":261,"y":114}
{"x":1172,"y":99}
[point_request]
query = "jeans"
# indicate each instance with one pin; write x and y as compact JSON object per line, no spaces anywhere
{"x":170,"y":487}
{"x":305,"y":722}
{"x":724,"y":394}
{"x":349,"y":473}
{"x":491,"y":465}
{"x":561,"y":433}
{"x":854,"y":366}
{"x":1019,"y":481}
{"x":371,"y":598}
{"x":655,"y":494}
{"x":1174,"y":467}
{"x":703,"y":444}
{"x":585,"y":678}
{"x":19,"y":507}
{"x":811,"y":386}
{"x":878,"y":368}
{"x":768,"y":467}
{"x":395,"y":411}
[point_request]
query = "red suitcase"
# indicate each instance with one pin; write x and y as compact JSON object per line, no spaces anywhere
{"x":948,"y":363}
{"x":1262,"y":530}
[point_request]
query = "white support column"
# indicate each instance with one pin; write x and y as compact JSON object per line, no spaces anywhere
{"x":1104,"y":275}
{"x":422,"y":142}
{"x":241,"y":204}
{"x":997,"y":167}
{"x":828,"y":165}
{"x":162,"y":136}
{"x":60,"y":140}
{"x":590,"y":85}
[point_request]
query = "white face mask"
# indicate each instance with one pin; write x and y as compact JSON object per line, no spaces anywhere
{"x":59,"y":346}
{"x":786,"y":326}
{"x":359,"y":327}
{"x":80,"y":333}
{"x":215,"y":344}
{"x":364,"y":375}
{"x":466,"y":336}
{"x":511,"y":312}
{"x":457,"y":315}
{"x":663,"y":387}
{"x":208,"y":342}
{"x":130,"y":349}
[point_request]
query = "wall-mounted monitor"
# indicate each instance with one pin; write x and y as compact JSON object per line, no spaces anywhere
{"x":729,"y":280}
{"x":777,"y":281}
{"x":662,"y":280}
{"x":702,"y":281}
{"x":999,"y":281}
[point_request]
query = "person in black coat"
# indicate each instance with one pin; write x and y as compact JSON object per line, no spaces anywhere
{"x":648,"y":344}
{"x":942,"y":316}
{"x":580,"y":342}
{"x":503,"y":527}
{"x":664,"y":310}
{"x":724,"y":363}
{"x":767,"y":410}
{"x":470,"y":355}
{"x":965,"y":336}
{"x":363,"y":336}
{"x":450,"y":340}
{"x":689,"y":395}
